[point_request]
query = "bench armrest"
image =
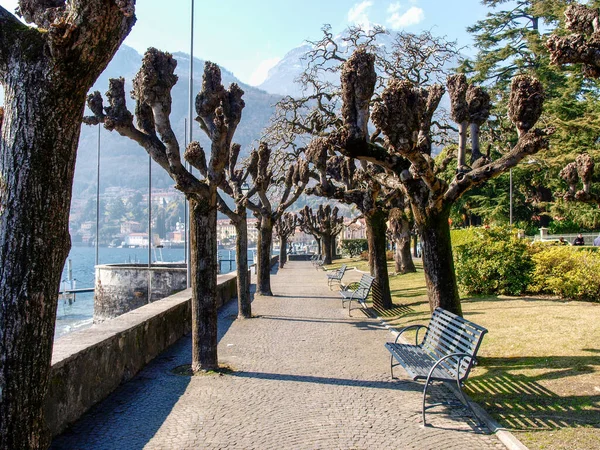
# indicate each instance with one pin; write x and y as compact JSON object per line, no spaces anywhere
{"x":460,"y":357}
{"x":410,"y":327}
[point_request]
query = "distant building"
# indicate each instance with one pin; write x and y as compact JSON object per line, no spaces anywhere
{"x":356,"y":230}
{"x":137,"y":239}
{"x":130,"y":226}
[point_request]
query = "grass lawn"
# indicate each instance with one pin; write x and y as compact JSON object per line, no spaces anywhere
{"x":539,"y":365}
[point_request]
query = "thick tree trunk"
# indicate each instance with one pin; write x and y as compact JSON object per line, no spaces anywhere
{"x":203,"y":253}
{"x":376,"y":232}
{"x":241,"y":261}
{"x":333,"y":248}
{"x":282,"y":251}
{"x":326,"y":240}
{"x":438,"y":263}
{"x":263,"y":269}
{"x":45,"y":97}
{"x":35,"y":195}
{"x":407,"y":265}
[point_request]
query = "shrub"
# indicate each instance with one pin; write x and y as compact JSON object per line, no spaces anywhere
{"x":569,"y":272}
{"x":354,"y":247}
{"x":364,"y":255}
{"x":389,"y":255}
{"x":496,"y":261}
{"x":461,"y":236}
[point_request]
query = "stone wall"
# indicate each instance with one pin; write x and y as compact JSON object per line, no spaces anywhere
{"x":88,"y":365}
{"x":121,"y":288}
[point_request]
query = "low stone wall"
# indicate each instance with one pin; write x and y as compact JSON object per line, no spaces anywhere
{"x":121,"y":288}
{"x":88,"y":365}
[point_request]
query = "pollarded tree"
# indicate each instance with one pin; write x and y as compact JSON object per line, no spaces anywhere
{"x":285,"y":227}
{"x":46,"y":71}
{"x":235,"y":185}
{"x":340,"y":179}
{"x":219,"y":112}
{"x":580,"y":47}
{"x":404,"y":117}
{"x":326,"y":224}
{"x":269,"y":210}
{"x":399,"y":230}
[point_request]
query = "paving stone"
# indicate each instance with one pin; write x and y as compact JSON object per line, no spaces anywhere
{"x":305,"y":376}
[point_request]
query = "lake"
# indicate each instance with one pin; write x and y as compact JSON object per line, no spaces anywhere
{"x":79,"y":314}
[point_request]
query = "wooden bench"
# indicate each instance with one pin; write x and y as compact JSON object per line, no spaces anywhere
{"x":446,"y":353}
{"x":356,"y":291}
{"x":336,"y":276}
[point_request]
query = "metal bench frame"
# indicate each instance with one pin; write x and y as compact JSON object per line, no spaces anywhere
{"x":318,"y":262}
{"x":359,"y":293}
{"x":336,"y":276}
{"x":446,"y":353}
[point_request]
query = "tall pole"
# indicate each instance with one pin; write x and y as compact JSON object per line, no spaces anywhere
{"x":149,"y":227}
{"x":510,"y":213}
{"x":190,"y":132}
{"x":185,"y":211}
{"x":98,"y":198}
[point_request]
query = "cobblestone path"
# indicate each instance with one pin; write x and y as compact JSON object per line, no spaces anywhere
{"x":305,"y":376}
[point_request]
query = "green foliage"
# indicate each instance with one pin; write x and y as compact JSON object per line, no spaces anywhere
{"x":354,"y":247}
{"x":495,"y":262}
{"x":462,"y":236}
{"x":569,"y":272}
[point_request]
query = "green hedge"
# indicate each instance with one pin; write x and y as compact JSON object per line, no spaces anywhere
{"x":493,"y":261}
{"x":569,"y":272}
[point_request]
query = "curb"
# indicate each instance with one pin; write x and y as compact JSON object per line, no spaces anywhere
{"x":505,"y":436}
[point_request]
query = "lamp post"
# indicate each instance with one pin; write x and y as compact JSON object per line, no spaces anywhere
{"x":510,"y":211}
{"x":190,"y":138}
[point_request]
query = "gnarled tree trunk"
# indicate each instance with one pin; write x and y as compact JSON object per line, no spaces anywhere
{"x":241,"y":260}
{"x":326,"y":245}
{"x":46,"y":79}
{"x":376,"y":232}
{"x":282,"y":251}
{"x":263,"y":268}
{"x":438,"y":263}
{"x":203,"y":253}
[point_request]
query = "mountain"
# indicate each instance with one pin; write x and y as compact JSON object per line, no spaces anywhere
{"x":122,"y":162}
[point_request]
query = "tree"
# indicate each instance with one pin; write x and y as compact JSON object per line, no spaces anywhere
{"x":285,"y":227}
{"x":399,"y":230}
{"x":325,"y":224}
{"x":268,"y":212}
{"x":404,"y":117}
{"x":580,"y":47}
{"x":511,"y":41}
{"x":305,"y":121}
{"x":46,"y":71}
{"x":234,"y":184}
{"x":219,"y":112}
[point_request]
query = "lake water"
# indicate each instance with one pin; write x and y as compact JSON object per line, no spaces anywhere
{"x":78,"y":314}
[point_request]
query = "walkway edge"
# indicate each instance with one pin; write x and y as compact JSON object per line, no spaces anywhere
{"x":505,"y":436}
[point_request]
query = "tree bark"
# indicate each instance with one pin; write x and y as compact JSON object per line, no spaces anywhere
{"x":241,"y":261}
{"x":263,"y":269}
{"x":203,"y":253}
{"x":376,"y":232}
{"x":407,"y":265}
{"x":326,"y":243}
{"x":45,"y":97}
{"x":438,"y":263}
{"x":282,"y":251}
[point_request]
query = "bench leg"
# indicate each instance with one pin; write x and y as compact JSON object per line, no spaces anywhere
{"x":392,"y":365}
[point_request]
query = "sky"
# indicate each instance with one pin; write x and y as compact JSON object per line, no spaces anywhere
{"x":248,"y":37}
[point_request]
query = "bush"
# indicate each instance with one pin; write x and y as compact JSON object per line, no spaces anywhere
{"x":569,"y":272}
{"x":354,"y":247}
{"x":496,"y":261}
{"x":461,"y":236}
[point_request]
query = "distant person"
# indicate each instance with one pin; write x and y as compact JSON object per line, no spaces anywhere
{"x":597,"y":241}
{"x":579,"y":240}
{"x":561,"y":241}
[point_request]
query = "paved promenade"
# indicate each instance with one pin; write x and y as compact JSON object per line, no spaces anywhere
{"x":305,"y":376}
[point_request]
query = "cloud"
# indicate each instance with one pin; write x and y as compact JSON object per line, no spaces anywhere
{"x":262,"y":71}
{"x":358,"y":14}
{"x":412,"y":16}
